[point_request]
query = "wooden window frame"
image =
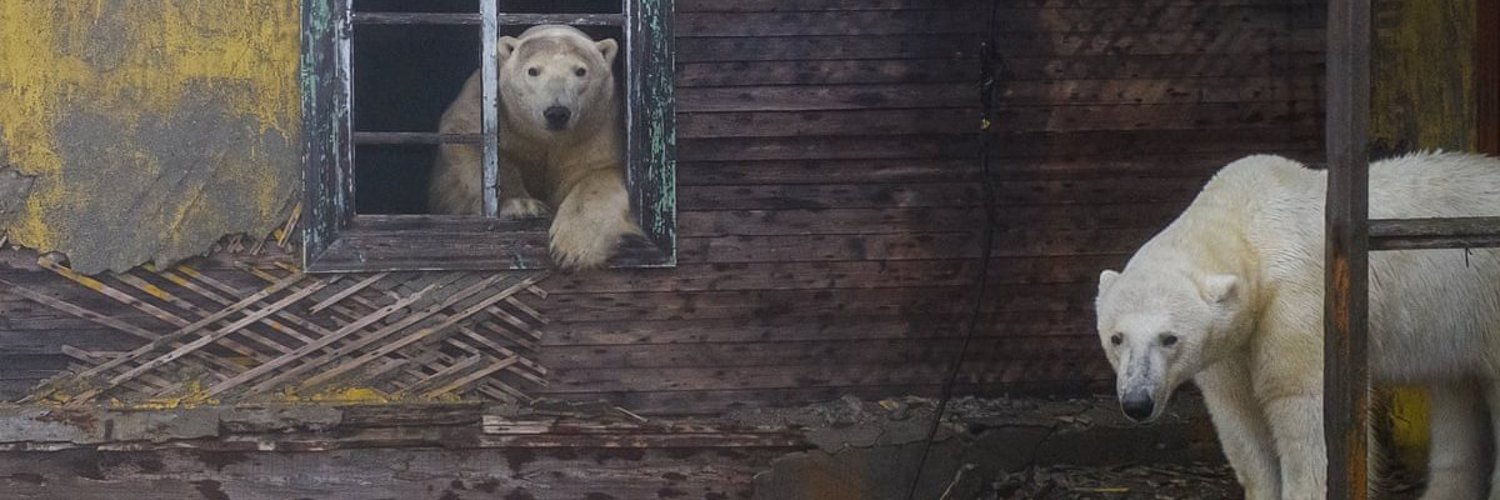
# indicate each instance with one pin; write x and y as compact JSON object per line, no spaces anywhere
{"x":336,"y":239}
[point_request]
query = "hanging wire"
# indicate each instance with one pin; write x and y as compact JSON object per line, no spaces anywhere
{"x":990,"y":66}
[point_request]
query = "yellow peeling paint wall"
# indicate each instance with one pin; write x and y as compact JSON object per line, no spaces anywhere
{"x":1422,"y":98}
{"x":1422,"y":65}
{"x":149,"y":128}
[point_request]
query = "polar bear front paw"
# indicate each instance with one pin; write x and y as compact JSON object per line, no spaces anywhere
{"x":523,"y":208}
{"x":582,"y":247}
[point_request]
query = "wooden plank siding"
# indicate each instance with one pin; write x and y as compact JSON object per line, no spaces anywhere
{"x":828,"y":197}
{"x":829,"y":206}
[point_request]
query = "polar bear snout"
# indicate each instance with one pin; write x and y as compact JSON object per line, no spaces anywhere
{"x":1138,"y":405}
{"x":557,"y":117}
{"x":1142,"y":384}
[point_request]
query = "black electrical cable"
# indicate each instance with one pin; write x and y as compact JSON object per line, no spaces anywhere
{"x":988,"y":61}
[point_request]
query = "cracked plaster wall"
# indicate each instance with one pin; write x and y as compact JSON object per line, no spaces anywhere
{"x":13,"y":189}
{"x":146,"y":129}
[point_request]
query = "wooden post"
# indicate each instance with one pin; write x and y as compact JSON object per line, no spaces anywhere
{"x":489,"y":70}
{"x":327,"y":125}
{"x":1345,"y":367}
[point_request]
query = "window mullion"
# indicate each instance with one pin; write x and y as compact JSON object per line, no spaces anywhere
{"x":489,"y":13}
{"x":628,"y":24}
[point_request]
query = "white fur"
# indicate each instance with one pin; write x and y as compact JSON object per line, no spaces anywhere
{"x":575,"y":172}
{"x":1238,"y":279}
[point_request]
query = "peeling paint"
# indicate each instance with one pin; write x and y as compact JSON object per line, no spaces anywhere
{"x":152,"y":128}
{"x":193,"y":393}
{"x":342,"y":395}
{"x":1423,"y":92}
{"x":659,"y":89}
{"x":13,"y":190}
{"x":324,"y":118}
{"x":656,"y":95}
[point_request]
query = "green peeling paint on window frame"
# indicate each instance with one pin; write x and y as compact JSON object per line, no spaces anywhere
{"x":335,"y":239}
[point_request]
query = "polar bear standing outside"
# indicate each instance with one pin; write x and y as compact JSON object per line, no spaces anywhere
{"x":1230,"y":296}
{"x":560,"y":144}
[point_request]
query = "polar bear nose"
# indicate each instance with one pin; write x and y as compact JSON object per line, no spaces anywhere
{"x":1137,"y":406}
{"x":557,"y":117}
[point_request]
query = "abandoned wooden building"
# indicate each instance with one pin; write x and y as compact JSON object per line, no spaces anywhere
{"x":217,"y":279}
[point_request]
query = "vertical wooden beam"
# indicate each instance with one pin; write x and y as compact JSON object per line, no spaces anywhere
{"x":651,"y":141}
{"x":328,"y":176}
{"x":489,"y":71}
{"x":1487,"y":75}
{"x":1345,"y":366}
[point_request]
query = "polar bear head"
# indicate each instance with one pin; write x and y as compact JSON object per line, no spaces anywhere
{"x":1160,"y":325}
{"x":554,"y":77}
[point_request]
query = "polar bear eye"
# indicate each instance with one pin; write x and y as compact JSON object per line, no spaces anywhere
{"x":580,"y":72}
{"x":1116,"y":339}
{"x":1168,"y":340}
{"x":533,"y":71}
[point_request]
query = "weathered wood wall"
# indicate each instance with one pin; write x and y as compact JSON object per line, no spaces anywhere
{"x":829,"y":207}
{"x":829,"y":204}
{"x":460,"y":451}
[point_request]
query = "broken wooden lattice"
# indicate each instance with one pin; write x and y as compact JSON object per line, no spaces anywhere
{"x":259,"y":329}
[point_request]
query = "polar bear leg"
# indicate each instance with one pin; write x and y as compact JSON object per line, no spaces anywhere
{"x":1297,"y":423}
{"x":1459,"y":435}
{"x":1492,"y":397}
{"x":591,"y":220}
{"x":515,"y":201}
{"x":1242,"y":428}
{"x":522,"y":208}
{"x":455,"y":188}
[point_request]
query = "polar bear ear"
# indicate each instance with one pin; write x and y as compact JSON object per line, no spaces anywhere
{"x":1218,"y":288}
{"x":1106,"y":278}
{"x":608,"y":47}
{"x":507,"y":46}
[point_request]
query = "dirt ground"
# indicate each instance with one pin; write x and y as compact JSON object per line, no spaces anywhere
{"x":1161,"y":482}
{"x":1158,"y":482}
{"x":1009,"y":449}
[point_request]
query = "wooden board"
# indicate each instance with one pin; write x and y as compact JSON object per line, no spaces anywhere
{"x":1028,"y":173}
{"x":959,"y":68}
{"x":827,"y":5}
{"x":1082,"y":118}
{"x":365,"y":474}
{"x":1074,"y":44}
{"x":827,"y":327}
{"x":1068,"y":364}
{"x":762,"y":304}
{"x":1100,"y":145}
{"x":838,"y":352}
{"x":972,"y":20}
{"x":919,"y":95}
{"x":715,"y":402}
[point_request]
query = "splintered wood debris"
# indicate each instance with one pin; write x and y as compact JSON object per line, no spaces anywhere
{"x":247,"y":328}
